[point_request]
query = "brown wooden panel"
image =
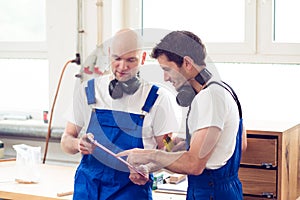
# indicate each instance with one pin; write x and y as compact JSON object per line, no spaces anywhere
{"x":258,"y":181}
{"x":260,"y":151}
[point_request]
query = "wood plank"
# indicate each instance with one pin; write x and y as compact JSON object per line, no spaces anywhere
{"x":289,"y":171}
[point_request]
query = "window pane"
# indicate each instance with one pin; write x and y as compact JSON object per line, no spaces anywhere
{"x":286,"y":18}
{"x":24,"y":86}
{"x":212,"y":21}
{"x":22,"y":21}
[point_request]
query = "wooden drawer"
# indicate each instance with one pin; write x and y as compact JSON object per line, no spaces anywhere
{"x":258,"y":181}
{"x":260,"y":151}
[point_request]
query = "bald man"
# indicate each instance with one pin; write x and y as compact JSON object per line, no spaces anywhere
{"x":121,"y":111}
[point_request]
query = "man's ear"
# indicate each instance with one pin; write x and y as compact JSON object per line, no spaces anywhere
{"x":188,"y":62}
{"x":144,"y":54}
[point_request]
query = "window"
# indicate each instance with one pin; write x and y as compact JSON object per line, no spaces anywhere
{"x":254,"y":31}
{"x":23,"y":28}
{"x":278,"y":39}
{"x":212,"y":23}
{"x":226,"y":27}
{"x":286,"y":17}
{"x":23,"y":64}
{"x":23,"y":21}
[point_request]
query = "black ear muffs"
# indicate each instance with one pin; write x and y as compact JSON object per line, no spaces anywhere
{"x":185,"y":96}
{"x":187,"y":93}
{"x":117,"y":88}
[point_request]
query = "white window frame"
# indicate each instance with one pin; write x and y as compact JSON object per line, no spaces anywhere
{"x":257,"y":47}
{"x":285,"y":52}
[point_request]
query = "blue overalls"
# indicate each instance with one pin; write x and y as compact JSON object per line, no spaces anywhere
{"x":222,"y":183}
{"x":101,"y":176}
{"x":219,"y":184}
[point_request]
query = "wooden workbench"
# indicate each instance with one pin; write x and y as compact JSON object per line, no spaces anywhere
{"x":53,"y":179}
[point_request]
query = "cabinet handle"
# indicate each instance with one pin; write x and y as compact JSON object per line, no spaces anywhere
{"x":267,"y":165}
{"x":268,"y":195}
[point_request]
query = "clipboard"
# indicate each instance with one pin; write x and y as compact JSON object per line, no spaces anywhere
{"x":92,"y":140}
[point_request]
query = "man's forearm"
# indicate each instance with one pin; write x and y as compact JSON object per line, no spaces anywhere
{"x":69,"y":144}
{"x":162,"y":159}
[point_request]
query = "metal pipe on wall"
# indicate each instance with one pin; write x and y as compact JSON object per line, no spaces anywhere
{"x":80,"y":30}
{"x":99,"y":5}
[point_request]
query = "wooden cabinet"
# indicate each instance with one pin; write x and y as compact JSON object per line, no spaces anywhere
{"x":270,"y":167}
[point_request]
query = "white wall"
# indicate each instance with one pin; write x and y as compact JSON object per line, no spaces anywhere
{"x":62,"y":47}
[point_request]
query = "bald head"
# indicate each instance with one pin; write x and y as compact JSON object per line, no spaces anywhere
{"x":125,"y":41}
{"x":126,"y":54}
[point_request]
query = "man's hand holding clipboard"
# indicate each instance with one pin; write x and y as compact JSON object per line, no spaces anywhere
{"x":91,"y":139}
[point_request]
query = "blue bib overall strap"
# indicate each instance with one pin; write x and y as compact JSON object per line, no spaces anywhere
{"x":222,"y":183}
{"x":90,"y":92}
{"x":151,"y":99}
{"x":101,"y":176}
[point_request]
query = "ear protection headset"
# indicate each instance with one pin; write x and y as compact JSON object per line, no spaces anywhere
{"x":117,"y":88}
{"x":186,"y":93}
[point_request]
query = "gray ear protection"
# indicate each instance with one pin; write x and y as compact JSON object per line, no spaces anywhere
{"x":187,"y":93}
{"x":117,"y":88}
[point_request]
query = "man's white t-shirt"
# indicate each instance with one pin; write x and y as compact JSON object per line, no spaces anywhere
{"x":161,"y":119}
{"x":214,"y":106}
